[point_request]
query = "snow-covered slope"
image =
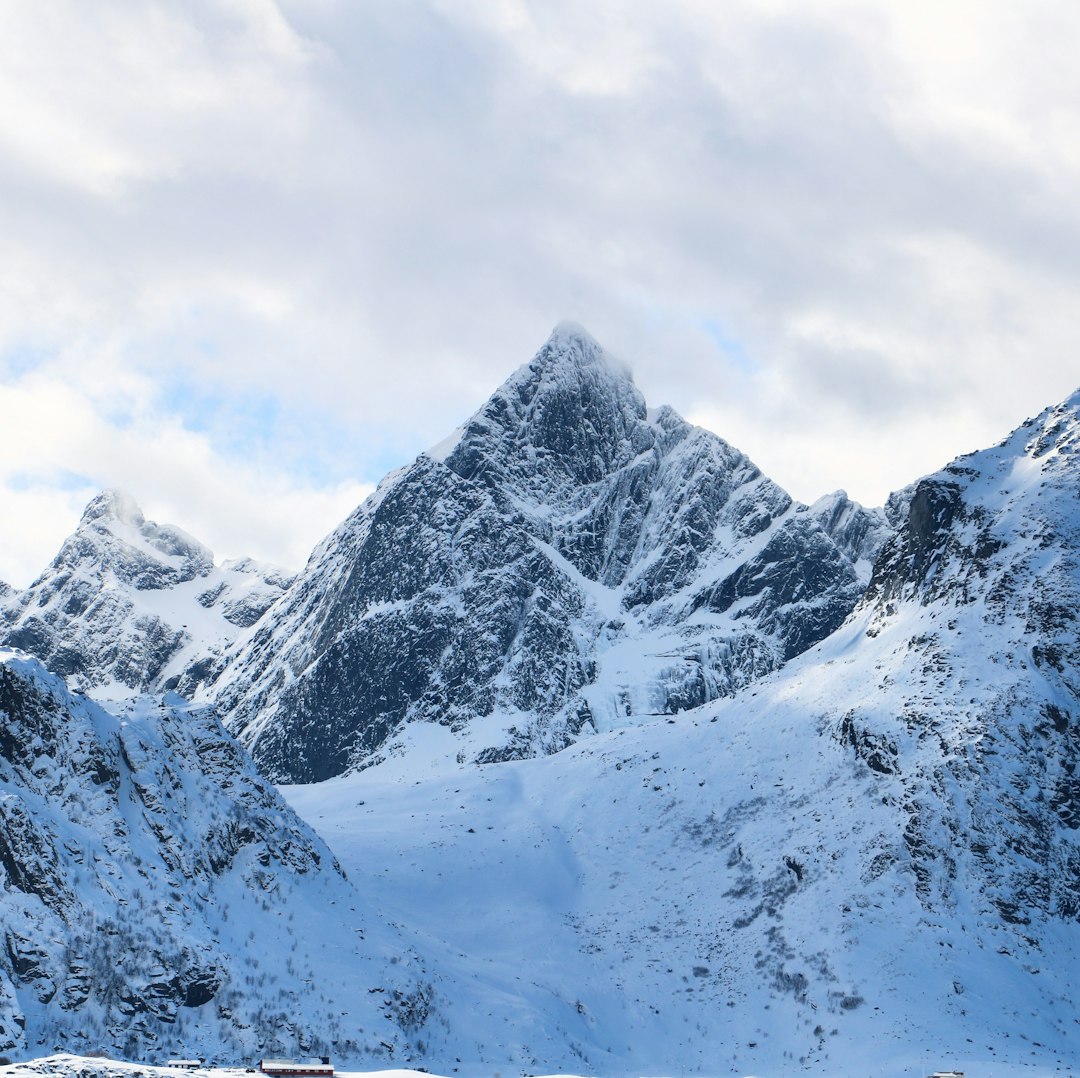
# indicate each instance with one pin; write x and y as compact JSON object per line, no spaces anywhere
{"x":130,"y":605}
{"x":158,"y":898}
{"x":699,"y":898}
{"x":567,"y":561}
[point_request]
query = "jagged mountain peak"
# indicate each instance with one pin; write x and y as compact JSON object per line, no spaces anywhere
{"x":113,"y":504}
{"x":568,"y":330}
{"x":572,"y":344}
{"x":125,"y":597}
{"x":567,"y":559}
{"x":115,"y":513}
{"x":566,"y":419}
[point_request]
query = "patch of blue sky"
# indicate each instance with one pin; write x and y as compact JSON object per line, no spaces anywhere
{"x":23,"y":359}
{"x":290,"y":436}
{"x":237,"y":421}
{"x":54,"y":479}
{"x":728,"y":342}
{"x":394,"y":453}
{"x":118,"y":414}
{"x":732,"y":347}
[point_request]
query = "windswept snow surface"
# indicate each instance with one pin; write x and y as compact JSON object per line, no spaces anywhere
{"x":725,"y":893}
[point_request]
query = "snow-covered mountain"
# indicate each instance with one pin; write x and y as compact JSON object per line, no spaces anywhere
{"x":971,"y":628}
{"x":866,"y":862}
{"x":159,"y":898}
{"x":829,"y":819}
{"x":567,"y":560}
{"x":130,"y":605}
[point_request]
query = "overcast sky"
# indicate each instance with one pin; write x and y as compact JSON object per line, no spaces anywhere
{"x":255,"y":254}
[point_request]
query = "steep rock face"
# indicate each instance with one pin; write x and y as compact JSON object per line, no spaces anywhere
{"x":148,"y":884}
{"x":567,"y":560}
{"x":128,"y":604}
{"x":857,"y":531}
{"x":954,"y":684}
{"x":981,"y":586}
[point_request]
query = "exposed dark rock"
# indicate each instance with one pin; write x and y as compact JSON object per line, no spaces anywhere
{"x":859,"y":532}
{"x":496,"y":574}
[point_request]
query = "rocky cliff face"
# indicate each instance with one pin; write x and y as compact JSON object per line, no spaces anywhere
{"x":954,"y":686}
{"x":568,"y":560}
{"x":859,"y":532}
{"x":158,"y":897}
{"x":128,"y":605}
{"x":973,"y":606}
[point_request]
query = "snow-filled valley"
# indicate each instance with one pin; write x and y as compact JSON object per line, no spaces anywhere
{"x":631,"y":765}
{"x":727,"y":892}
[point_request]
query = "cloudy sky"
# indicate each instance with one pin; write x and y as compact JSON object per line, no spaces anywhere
{"x":257,"y":253}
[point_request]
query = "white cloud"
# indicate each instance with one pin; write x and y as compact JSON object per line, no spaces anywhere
{"x":842,"y":233}
{"x":125,"y":93}
{"x":70,"y":446}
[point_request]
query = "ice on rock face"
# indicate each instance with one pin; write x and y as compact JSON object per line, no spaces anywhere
{"x":565,"y":562}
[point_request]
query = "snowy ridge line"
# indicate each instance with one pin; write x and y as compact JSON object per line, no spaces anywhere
{"x":131,"y":606}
